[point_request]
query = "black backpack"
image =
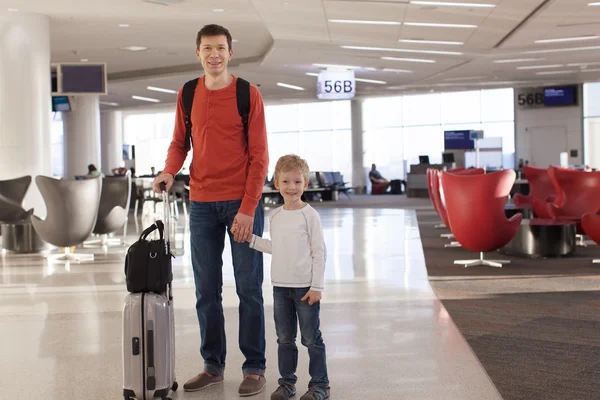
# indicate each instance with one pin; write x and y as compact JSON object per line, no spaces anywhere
{"x":242,"y":92}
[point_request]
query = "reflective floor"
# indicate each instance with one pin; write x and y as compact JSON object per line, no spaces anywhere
{"x":387,"y":335}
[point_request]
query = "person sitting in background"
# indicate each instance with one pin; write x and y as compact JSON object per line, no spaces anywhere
{"x":93,"y":172}
{"x":121,"y":171}
{"x":378,"y":183}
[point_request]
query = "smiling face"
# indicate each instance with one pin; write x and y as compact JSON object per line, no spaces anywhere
{"x":291,"y":184}
{"x":214,"y":54}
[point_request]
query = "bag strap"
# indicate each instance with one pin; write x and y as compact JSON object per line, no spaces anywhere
{"x":157,"y":225}
{"x":242,"y":94}
{"x":187,"y":97}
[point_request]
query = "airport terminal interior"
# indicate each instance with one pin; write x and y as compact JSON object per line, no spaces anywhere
{"x":454,"y":154}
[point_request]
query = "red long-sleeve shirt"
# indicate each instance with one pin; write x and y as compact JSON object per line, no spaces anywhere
{"x":223,"y":166}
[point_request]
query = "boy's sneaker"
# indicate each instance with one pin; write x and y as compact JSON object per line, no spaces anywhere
{"x":284,"y":392}
{"x":316,"y":393}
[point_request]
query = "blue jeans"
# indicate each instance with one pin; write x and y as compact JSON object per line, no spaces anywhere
{"x":208,"y":223}
{"x":289,"y":310}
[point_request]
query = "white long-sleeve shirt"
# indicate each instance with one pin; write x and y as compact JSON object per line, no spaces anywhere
{"x":297,"y":248}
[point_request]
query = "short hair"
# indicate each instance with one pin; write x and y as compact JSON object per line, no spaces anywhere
{"x":292,"y":162}
{"x":214,"y":30}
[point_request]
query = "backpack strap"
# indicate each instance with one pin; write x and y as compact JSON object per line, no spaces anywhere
{"x":242,"y":93}
{"x":187,"y":98}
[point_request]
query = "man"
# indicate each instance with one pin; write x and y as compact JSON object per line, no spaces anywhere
{"x":226,"y":180}
{"x":376,"y":177}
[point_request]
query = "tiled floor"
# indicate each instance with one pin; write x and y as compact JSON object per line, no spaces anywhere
{"x":387,"y":335}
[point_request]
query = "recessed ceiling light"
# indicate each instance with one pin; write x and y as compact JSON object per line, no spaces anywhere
{"x":13,"y":9}
{"x":562,"y":50}
{"x":406,"y":71}
{"x":452,"y":53}
{"x":84,"y":60}
{"x":134,"y":48}
{"x":582,"y":64}
{"x":417,"y":60}
{"x":109,"y":103}
{"x":555,"y":72}
{"x":435,"y":25}
{"x":285,"y":85}
{"x":370,"y":81}
{"x":312,"y":74}
{"x":157,"y":89}
{"x":590,"y":70}
{"x":540,"y":66}
{"x":517,"y":60}
{"x":335,"y":66}
{"x":151,"y":100}
{"x":419,"y":41}
{"x":596,"y":3}
{"x":218,"y":10}
{"x":123,"y":25}
{"x":465,"y":78}
{"x":447,"y":4}
{"x":569,"y":39}
{"x":353,"y":21}
{"x":235,"y":40}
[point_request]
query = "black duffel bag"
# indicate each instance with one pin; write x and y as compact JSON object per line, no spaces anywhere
{"x":148,"y":263}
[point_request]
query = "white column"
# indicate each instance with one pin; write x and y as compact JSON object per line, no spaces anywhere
{"x":25,"y":103}
{"x":358,"y":170}
{"x":82,"y":135}
{"x":111,"y":137}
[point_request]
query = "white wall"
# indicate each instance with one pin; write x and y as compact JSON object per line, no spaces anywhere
{"x":529,"y":123}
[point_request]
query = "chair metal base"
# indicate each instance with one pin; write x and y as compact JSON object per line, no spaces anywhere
{"x":482,"y":262}
{"x":453,"y":244}
{"x":596,"y":261}
{"x":68,"y":256}
{"x":104,"y":242}
{"x":440,"y":226}
{"x":447,"y":235}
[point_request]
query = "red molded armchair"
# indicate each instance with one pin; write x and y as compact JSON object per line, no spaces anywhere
{"x":436,"y":196}
{"x":475,"y":210}
{"x":590,"y":223}
{"x":577,"y":193}
{"x":541,"y":188}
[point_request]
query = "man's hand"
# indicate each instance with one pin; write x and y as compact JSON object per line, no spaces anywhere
{"x":312,"y":296}
{"x":165,"y":178}
{"x":242,"y":228}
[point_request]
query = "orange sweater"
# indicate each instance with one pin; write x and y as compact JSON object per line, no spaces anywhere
{"x":223,"y":166}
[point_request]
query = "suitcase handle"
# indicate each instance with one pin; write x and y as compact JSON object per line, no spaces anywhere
{"x":166,"y":215}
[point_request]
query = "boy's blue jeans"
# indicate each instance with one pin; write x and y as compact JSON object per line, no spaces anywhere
{"x":289,"y":310}
{"x":208,"y":223}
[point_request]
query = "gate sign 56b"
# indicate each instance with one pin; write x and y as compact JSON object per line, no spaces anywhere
{"x":334,"y":85}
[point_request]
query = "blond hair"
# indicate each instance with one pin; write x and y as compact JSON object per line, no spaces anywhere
{"x":292,"y":162}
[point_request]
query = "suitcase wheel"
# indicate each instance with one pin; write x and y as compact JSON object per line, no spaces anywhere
{"x":175,"y":386}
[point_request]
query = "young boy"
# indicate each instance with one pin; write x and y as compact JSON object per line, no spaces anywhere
{"x":297,"y":273}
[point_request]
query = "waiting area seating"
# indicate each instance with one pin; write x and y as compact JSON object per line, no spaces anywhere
{"x":562,"y":204}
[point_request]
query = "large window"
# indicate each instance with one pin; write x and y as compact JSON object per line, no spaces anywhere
{"x":319,"y":132}
{"x":398,"y":130}
{"x":591,"y":124}
{"x":151,"y":133}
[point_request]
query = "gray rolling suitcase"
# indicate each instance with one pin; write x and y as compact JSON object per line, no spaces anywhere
{"x":149,"y":340}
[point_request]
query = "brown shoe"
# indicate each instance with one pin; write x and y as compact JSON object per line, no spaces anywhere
{"x":251,"y":386}
{"x":201,"y":381}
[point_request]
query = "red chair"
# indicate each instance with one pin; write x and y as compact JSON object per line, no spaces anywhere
{"x":541,"y":192}
{"x":436,"y":196}
{"x":430,"y":190}
{"x":590,"y":223}
{"x":475,"y":210}
{"x":577,"y":193}
{"x":540,"y":188}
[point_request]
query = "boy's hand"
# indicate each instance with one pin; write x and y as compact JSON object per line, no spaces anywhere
{"x":312,"y":296}
{"x":235,"y":229}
